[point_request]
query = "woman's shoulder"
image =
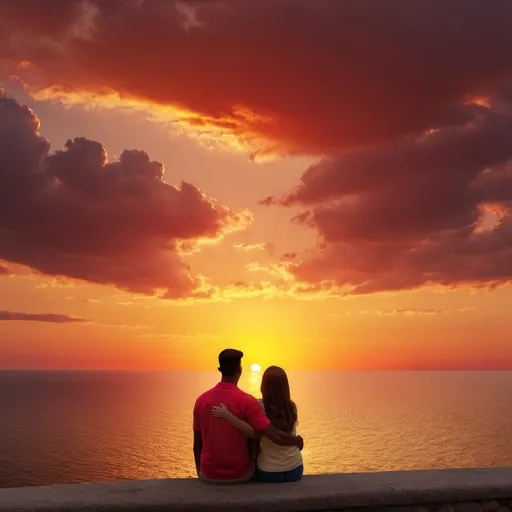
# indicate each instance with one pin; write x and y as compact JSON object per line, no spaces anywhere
{"x":260,"y":401}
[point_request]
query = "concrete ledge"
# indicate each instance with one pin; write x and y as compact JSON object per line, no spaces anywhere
{"x":320,"y":493}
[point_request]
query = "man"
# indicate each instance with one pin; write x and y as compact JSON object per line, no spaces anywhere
{"x":221,"y":451}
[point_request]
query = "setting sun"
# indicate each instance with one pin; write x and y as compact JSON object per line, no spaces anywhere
{"x":255,"y":367}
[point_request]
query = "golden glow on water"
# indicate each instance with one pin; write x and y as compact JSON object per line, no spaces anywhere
{"x":111,"y":426}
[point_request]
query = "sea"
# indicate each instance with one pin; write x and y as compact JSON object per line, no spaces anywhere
{"x":67,"y":427}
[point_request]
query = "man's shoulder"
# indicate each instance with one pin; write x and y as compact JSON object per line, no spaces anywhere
{"x":245,"y":397}
{"x":236,"y":395}
{"x":204,"y":396}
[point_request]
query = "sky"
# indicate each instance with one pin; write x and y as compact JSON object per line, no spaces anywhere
{"x":325,"y":185}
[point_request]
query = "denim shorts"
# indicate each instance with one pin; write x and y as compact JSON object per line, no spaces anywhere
{"x":293,"y":475}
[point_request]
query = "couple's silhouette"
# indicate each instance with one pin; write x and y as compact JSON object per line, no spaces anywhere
{"x":238,"y":438}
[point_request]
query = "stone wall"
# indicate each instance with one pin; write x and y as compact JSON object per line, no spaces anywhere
{"x":463,"y":490}
{"x":503,"y":505}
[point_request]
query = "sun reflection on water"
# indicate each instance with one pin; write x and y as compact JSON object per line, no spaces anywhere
{"x":252,"y":383}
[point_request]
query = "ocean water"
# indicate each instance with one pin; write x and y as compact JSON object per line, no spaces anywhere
{"x":62,"y":427}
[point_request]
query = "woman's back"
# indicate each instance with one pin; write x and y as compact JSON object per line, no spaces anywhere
{"x":276,"y":458}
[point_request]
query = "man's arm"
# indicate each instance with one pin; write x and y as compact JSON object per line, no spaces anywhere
{"x":198,"y":438}
{"x":221,"y":411}
{"x":254,"y":449}
{"x":260,"y":422}
{"x":283,"y":438}
{"x":198,"y":448}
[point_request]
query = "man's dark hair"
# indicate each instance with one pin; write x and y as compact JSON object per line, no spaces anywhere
{"x":230,"y":361}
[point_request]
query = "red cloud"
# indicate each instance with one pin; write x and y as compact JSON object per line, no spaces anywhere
{"x":306,"y":76}
{"x":71,"y":213}
{"x":383,"y":88}
{"x":430,"y":210}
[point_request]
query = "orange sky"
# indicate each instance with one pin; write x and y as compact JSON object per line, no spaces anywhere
{"x":258,"y":282}
{"x":420,"y":329}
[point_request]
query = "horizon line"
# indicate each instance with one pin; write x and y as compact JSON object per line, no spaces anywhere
{"x":249,"y":372}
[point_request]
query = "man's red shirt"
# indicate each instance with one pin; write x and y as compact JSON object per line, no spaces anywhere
{"x":225,"y":454}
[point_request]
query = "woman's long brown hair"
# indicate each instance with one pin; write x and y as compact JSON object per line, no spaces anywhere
{"x":279,"y":407}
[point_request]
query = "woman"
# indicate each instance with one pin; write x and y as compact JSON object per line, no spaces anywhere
{"x":274,"y":463}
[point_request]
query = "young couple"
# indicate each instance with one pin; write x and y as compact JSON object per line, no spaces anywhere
{"x":238,"y":438}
